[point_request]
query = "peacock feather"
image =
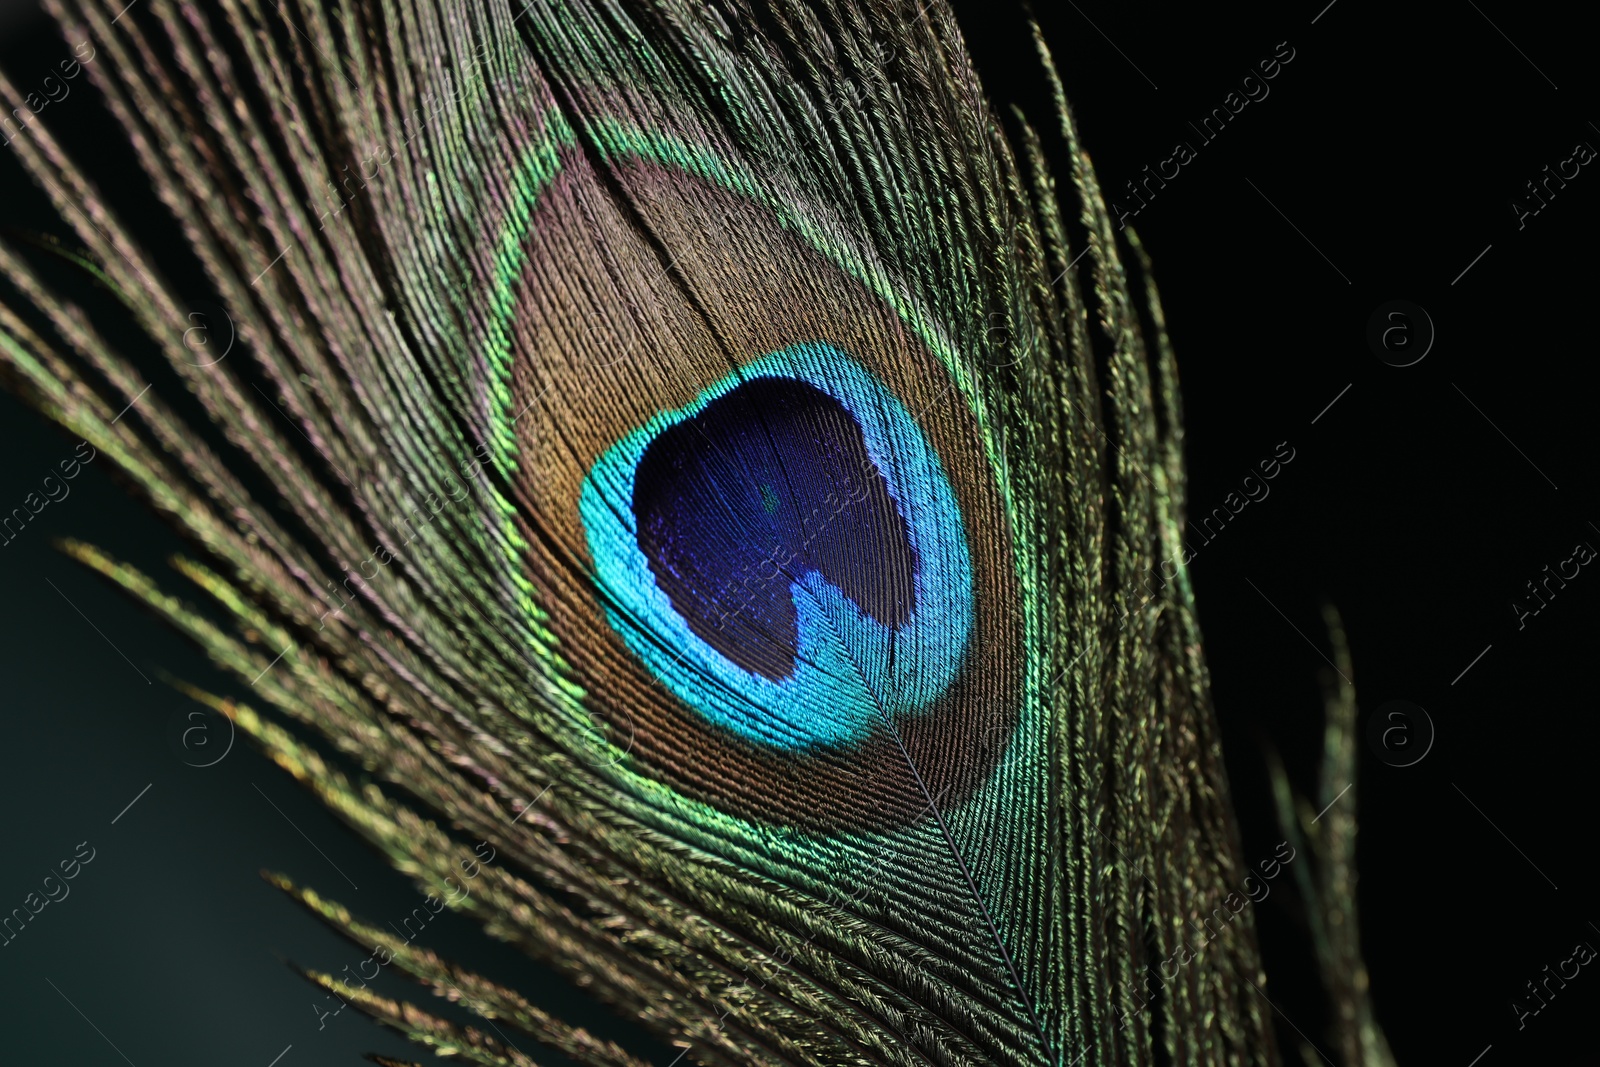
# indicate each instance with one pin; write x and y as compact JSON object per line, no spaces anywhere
{"x":704,"y":453}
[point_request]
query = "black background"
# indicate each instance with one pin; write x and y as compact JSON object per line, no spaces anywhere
{"x":1383,"y":162}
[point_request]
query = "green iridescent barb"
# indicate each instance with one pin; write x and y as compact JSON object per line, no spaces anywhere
{"x":695,"y":451}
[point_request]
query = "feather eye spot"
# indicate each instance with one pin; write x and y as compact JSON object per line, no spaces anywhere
{"x":785,"y":553}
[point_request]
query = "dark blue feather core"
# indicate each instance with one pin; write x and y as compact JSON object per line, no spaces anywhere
{"x":735,"y":506}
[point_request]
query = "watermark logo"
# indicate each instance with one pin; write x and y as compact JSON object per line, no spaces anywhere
{"x":1400,"y":333}
{"x":1400,"y":733}
{"x":601,"y":746}
{"x":200,"y":737}
{"x":210,"y":335}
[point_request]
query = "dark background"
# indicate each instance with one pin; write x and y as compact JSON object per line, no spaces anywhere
{"x":1384,"y":160}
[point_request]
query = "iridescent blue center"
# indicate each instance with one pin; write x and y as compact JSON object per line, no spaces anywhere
{"x":769,"y":483}
{"x":785,"y":553}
